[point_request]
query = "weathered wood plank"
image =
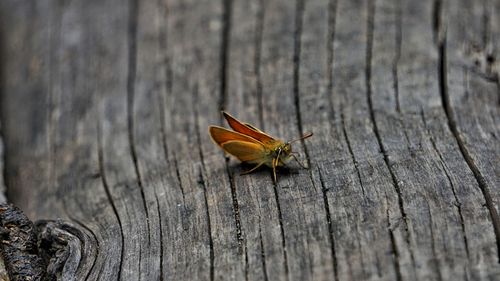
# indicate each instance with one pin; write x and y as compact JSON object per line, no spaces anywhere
{"x":471,"y":85}
{"x":116,"y":99}
{"x":80,"y":136}
{"x":195,"y":51}
{"x":279,"y":66}
{"x":356,"y":184}
{"x":372,"y":187}
{"x":429,"y":196}
{"x":272,"y":29}
{"x":261,"y":231}
{"x":206,"y":228}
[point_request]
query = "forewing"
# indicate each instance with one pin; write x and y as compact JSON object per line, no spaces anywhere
{"x":245,"y":151}
{"x":253,"y":127}
{"x":221,"y":135}
{"x":248,"y":130}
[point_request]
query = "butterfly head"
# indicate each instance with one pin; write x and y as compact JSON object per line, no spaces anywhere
{"x":283,"y":153}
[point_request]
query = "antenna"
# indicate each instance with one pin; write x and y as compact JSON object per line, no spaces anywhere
{"x":301,"y":138}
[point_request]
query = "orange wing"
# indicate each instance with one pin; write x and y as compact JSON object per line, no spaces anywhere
{"x":253,"y":127}
{"x":245,"y":151}
{"x":247,"y":129}
{"x":221,"y":135}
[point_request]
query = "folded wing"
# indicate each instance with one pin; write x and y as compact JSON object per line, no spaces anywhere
{"x":245,"y":151}
{"x":249,"y":130}
{"x":221,"y":135}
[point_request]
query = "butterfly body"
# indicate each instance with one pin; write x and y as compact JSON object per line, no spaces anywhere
{"x":251,"y":145}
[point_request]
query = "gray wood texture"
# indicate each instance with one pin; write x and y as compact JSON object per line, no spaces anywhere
{"x":3,"y":272}
{"x":105,"y":107}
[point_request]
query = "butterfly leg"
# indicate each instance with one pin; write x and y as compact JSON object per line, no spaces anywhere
{"x":253,"y":169}
{"x":275,"y":163}
{"x":302,"y":165}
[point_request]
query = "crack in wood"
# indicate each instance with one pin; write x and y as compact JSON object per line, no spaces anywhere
{"x":259,"y":27}
{"x":178,"y":175}
{"x":299,"y":18}
{"x":131,"y":76}
{"x":100,"y":157}
{"x":224,"y":51}
{"x":236,"y":208}
{"x":394,"y":245}
{"x":370,"y":27}
{"x":353,"y":158}
{"x":201,"y":181}
{"x":397,"y":56}
{"x":486,"y":26}
{"x":262,"y":253}
{"x":282,"y":231}
{"x":162,"y":274}
{"x":246,"y":259}
{"x":330,"y":226}
{"x":330,"y":53}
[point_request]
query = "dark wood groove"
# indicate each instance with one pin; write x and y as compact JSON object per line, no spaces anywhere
{"x":330,"y":226}
{"x":330,"y":52}
{"x":282,"y":232}
{"x":262,"y":254}
{"x":353,"y":158}
{"x":394,"y":247}
{"x":158,"y":211}
{"x":224,"y":52}
{"x":259,"y":27}
{"x":299,"y":19}
{"x":131,"y":76}
{"x":370,"y":28}
{"x":105,"y":185}
{"x":201,"y":181}
{"x":397,"y":56}
{"x":236,"y":207}
{"x":245,"y":249}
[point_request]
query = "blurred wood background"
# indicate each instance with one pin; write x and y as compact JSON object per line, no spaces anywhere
{"x":105,"y":107}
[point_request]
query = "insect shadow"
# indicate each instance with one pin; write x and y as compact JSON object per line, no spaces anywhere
{"x":238,"y":169}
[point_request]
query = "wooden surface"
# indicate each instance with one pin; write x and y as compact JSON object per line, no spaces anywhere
{"x":3,"y":271}
{"x":105,"y":109}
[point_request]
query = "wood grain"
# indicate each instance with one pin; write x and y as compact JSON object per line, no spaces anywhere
{"x":105,"y":108}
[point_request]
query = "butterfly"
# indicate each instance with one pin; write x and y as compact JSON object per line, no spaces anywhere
{"x":251,"y":145}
